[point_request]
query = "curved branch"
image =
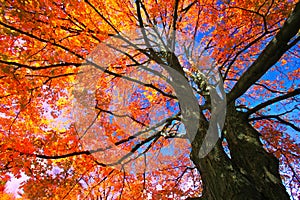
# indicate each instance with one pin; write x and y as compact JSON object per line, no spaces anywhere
{"x":269,"y":89}
{"x":19,"y":65}
{"x":167,"y":122}
{"x":271,"y":101}
{"x":278,"y":119}
{"x":40,"y":39}
{"x":269,"y":56}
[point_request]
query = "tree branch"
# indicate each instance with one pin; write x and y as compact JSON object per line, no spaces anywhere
{"x":19,"y":65}
{"x":269,"y":56}
{"x":278,"y":119}
{"x":271,"y":101}
{"x":97,"y":11}
{"x":40,"y":39}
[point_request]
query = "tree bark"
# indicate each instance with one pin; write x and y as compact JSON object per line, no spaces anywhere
{"x":249,"y":173}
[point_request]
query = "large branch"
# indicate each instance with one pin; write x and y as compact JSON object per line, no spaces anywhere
{"x":269,"y":56}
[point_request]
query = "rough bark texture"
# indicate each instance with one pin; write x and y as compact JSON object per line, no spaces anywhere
{"x":251,"y":172}
{"x":221,"y":178}
{"x":247,"y":152}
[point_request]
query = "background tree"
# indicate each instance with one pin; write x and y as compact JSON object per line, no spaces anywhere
{"x":46,"y":46}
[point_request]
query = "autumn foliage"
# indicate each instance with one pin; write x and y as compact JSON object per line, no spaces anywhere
{"x":60,"y":83}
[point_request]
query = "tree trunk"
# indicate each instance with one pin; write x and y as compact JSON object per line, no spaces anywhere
{"x":250,"y":173}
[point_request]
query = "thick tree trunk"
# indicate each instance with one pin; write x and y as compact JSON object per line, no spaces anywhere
{"x":250,"y":173}
{"x":221,"y":179}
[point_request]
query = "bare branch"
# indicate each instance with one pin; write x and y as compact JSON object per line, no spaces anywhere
{"x":272,"y":101}
{"x":279,"y":119}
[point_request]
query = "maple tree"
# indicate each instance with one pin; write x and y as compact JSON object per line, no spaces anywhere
{"x":77,"y":105}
